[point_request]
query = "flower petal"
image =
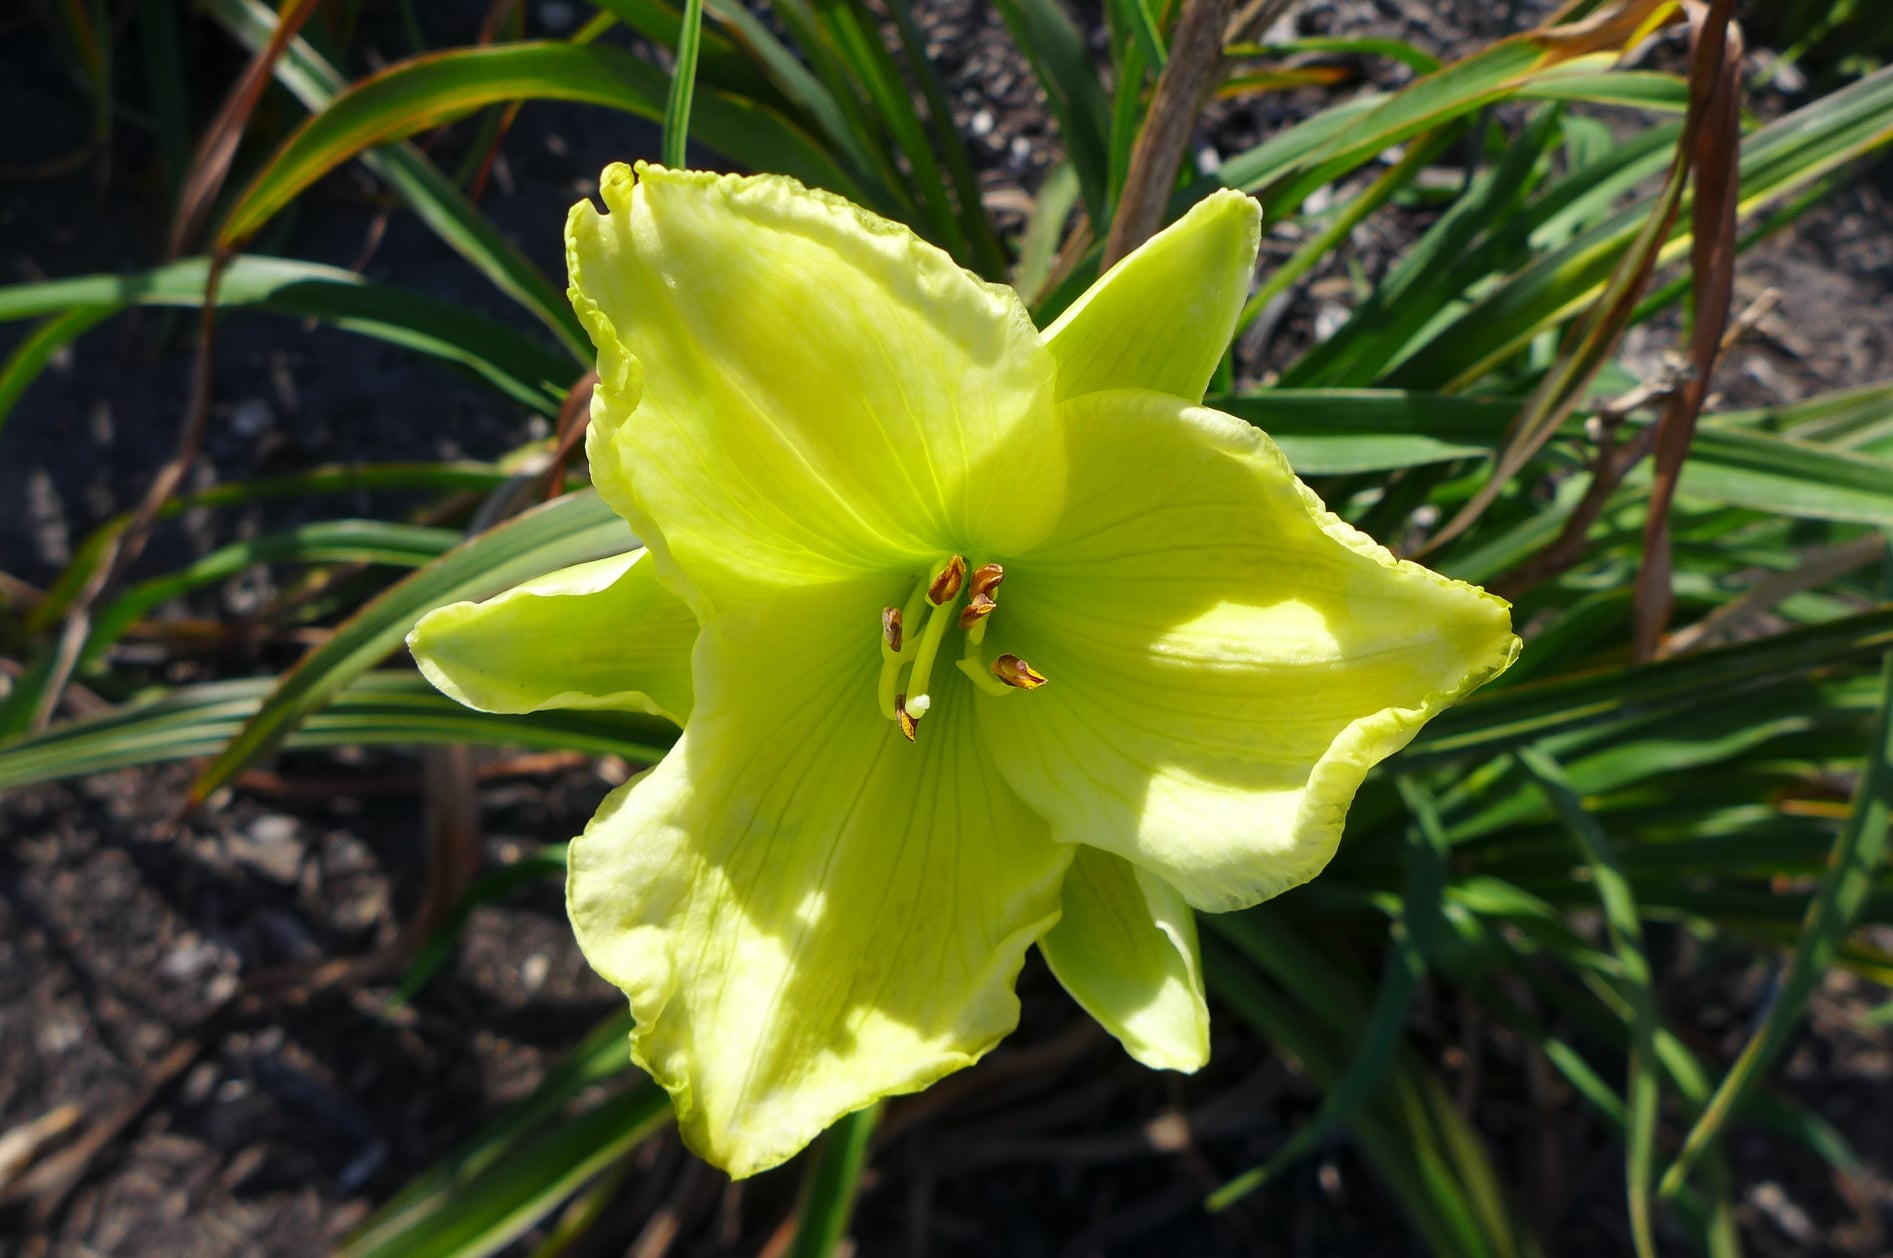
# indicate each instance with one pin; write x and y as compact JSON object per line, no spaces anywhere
{"x":806,"y":911}
{"x":603,"y":634}
{"x":792,"y":389}
{"x":1226,"y":659}
{"x":1162,"y":317}
{"x":1125,"y":949}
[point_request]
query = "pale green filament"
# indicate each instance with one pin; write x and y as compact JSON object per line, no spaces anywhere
{"x":982,"y":676}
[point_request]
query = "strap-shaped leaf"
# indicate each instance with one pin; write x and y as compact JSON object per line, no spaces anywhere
{"x":525,"y":370}
{"x":380,"y":709}
{"x":426,"y":91}
{"x":566,"y":531}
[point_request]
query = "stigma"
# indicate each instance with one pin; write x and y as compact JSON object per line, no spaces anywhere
{"x":911,"y":638}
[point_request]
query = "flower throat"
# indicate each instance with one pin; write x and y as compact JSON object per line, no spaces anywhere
{"x":910,"y":647}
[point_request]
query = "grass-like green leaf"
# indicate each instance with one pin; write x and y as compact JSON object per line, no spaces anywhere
{"x":1621,"y":919}
{"x":1857,"y":857}
{"x":1135,"y":17}
{"x":683,"y":85}
{"x":430,"y":193}
{"x":546,"y":863}
{"x":1790,"y":154}
{"x":1434,"y":271}
{"x":568,"y":530}
{"x":446,"y":477}
{"x":1056,"y":49}
{"x":1340,"y":431}
{"x":984,"y":253}
{"x":427,"y":91}
{"x":852,"y":31}
{"x":1514,"y":716}
{"x":1409,"y":1129}
{"x":834,"y":1178}
{"x":37,"y":349}
{"x":720,"y":59}
{"x":1415,"y":59}
{"x":378,"y":710}
{"x":1396,"y":179}
{"x":1291,"y":165}
{"x":522,"y":1167}
{"x":797,"y":84}
{"x":1789,"y":478}
{"x":1416,"y":936}
{"x":1328,"y":432}
{"x":322,"y":541}
{"x":520,"y":367}
{"x":1039,"y":249}
{"x":1629,"y":89}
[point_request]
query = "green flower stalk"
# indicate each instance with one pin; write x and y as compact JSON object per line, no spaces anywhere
{"x":981,"y":637}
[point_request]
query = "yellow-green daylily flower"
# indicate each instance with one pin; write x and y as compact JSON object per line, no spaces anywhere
{"x":1000,"y":638}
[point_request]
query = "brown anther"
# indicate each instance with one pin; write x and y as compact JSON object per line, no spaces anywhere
{"x":977,"y":609}
{"x":946,"y":583}
{"x":980,"y":603}
{"x":986,"y":579}
{"x":1016,"y":672}
{"x":890,"y":628}
{"x":906,"y":722}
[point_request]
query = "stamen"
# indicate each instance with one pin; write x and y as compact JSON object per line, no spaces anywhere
{"x":946,"y":582}
{"x":1016,"y":672}
{"x":912,"y":645}
{"x":898,"y":652}
{"x":981,"y":600}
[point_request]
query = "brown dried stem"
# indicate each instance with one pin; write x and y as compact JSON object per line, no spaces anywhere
{"x":1611,"y":464}
{"x":1189,"y":77}
{"x":1715,"y":110}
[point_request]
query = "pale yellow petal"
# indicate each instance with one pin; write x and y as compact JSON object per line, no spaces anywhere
{"x":1227,"y":660}
{"x":792,"y":390}
{"x":807,"y":911}
{"x":604,"y":634}
{"x":1125,"y":948}
{"x":1161,"y":318}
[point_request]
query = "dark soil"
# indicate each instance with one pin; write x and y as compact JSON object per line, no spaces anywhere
{"x":120,"y":931}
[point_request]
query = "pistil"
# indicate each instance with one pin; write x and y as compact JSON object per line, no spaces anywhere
{"x":942,"y":592}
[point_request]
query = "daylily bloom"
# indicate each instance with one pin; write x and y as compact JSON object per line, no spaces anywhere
{"x":1000,"y":638}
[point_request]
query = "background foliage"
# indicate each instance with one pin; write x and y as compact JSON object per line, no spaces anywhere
{"x":1690,"y":766}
